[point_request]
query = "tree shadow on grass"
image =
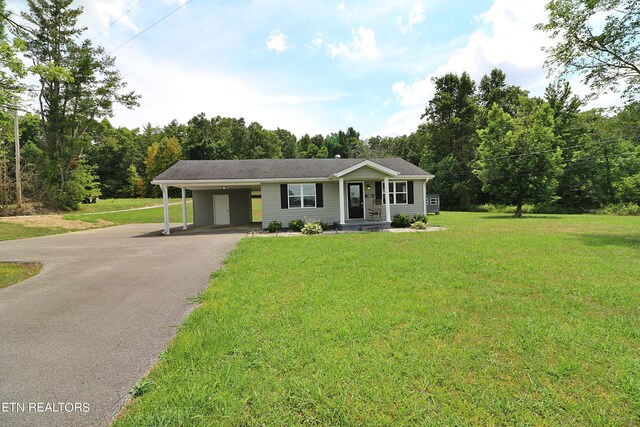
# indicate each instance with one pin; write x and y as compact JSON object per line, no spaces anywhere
{"x":510,"y":216}
{"x":629,"y":241}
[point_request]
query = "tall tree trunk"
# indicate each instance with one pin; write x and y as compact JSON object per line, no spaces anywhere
{"x":518,"y":213}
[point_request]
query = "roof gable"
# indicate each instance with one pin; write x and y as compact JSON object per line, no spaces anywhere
{"x":367,"y":163}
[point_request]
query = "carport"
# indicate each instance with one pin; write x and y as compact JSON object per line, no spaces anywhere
{"x":218,"y":205}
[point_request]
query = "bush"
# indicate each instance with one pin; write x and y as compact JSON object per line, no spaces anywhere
{"x":498,"y":208}
{"x":274,"y":226}
{"x":419,"y":225}
{"x":419,"y":218}
{"x":82,"y":183}
{"x":622,"y":209}
{"x":401,"y":220}
{"x":312,"y":228}
{"x":296,"y":224}
{"x":324,"y":225}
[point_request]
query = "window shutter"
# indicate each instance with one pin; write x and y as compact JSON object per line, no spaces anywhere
{"x":319,"y":200}
{"x":284,"y":197}
{"x":378,"y":190}
{"x":410,"y":192}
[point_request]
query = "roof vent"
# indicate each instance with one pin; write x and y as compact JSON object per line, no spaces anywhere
{"x":337,"y":156}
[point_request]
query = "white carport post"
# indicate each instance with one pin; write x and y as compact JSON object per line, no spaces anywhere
{"x":165,"y":204}
{"x":184,"y":209}
{"x":387,"y":206}
{"x":341,"y":193}
{"x":424,"y":192}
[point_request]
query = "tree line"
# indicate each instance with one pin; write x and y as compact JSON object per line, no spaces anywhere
{"x":486,"y":141}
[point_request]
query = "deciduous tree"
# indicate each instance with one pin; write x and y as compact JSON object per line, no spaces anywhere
{"x":517,"y":162}
{"x":70,"y":102}
{"x":599,"y":39}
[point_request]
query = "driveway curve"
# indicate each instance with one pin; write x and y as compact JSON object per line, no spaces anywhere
{"x":95,"y":319}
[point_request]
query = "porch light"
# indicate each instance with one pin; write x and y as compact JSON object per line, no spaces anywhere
{"x":368,"y":186}
{"x":224,"y":187}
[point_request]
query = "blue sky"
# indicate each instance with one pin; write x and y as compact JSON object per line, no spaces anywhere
{"x":311,"y":67}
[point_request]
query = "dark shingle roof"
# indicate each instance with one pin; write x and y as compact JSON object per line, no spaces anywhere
{"x":275,"y":168}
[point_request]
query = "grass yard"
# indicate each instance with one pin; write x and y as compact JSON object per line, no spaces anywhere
{"x":14,"y":272}
{"x":495,"y":321}
{"x":99,"y":214}
{"x":105,"y":205}
{"x":256,"y":210}
{"x":153,"y":215}
{"x":10,"y":231}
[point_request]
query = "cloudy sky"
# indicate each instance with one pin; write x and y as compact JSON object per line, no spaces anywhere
{"x":311,"y":67}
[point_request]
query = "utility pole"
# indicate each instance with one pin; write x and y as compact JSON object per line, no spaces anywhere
{"x":16,"y":130}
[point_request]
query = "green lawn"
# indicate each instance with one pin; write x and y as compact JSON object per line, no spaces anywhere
{"x":9,"y":231}
{"x":14,"y":272}
{"x":153,"y":215}
{"x":93,"y":213}
{"x":256,"y":210}
{"x":105,"y":205}
{"x":495,"y":321}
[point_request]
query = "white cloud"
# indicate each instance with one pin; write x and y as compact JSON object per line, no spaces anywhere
{"x":187,"y":91}
{"x":277,"y":41}
{"x":317,"y":42}
{"x":416,"y":16}
{"x":505,"y":39}
{"x":99,"y":14}
{"x":341,"y":7}
{"x":363,"y":45}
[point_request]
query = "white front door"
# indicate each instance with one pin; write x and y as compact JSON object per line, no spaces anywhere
{"x":221,"y":209}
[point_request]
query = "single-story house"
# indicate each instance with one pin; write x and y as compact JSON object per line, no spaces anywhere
{"x":339,"y":191}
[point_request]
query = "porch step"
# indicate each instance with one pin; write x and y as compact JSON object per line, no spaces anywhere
{"x":362,"y":226}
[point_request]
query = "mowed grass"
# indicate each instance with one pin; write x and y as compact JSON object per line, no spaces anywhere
{"x":495,"y":321}
{"x":14,"y":272}
{"x":11,"y":231}
{"x":105,"y":205}
{"x":102,"y":211}
{"x":152,"y":215}
{"x":256,"y":210}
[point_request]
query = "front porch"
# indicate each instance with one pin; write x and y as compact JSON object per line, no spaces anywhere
{"x":362,"y":225}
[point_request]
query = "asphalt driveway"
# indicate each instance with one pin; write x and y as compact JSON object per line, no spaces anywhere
{"x":86,"y":328}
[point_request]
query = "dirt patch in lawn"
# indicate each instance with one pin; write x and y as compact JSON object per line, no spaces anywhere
{"x":54,"y":221}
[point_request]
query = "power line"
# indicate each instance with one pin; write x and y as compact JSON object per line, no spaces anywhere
{"x":121,"y":16}
{"x":530,"y":153}
{"x":464,"y":174}
{"x":153,"y":25}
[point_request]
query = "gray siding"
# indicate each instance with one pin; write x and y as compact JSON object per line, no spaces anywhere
{"x":331,"y":211}
{"x":239,"y":206}
{"x":409,"y":209}
{"x":271,"y":209}
{"x":364,"y":174}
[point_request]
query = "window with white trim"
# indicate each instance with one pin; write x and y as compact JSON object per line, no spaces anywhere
{"x":433,"y":201}
{"x":398,"y":192}
{"x":301,"y":195}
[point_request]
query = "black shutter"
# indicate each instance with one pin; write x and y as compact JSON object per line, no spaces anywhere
{"x":284,"y":196}
{"x":410,"y":192}
{"x":378,"y":190}
{"x":319,"y":201}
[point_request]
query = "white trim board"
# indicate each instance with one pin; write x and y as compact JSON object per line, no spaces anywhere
{"x":366,"y":163}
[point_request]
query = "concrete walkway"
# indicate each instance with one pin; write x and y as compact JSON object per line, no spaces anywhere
{"x":90,"y":325}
